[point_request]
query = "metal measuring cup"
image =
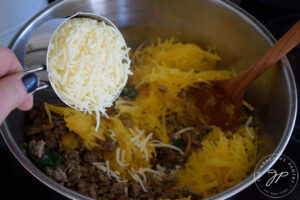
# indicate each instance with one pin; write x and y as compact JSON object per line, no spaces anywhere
{"x":36,"y":55}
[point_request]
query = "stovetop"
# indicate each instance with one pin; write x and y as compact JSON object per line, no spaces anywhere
{"x":277,"y":15}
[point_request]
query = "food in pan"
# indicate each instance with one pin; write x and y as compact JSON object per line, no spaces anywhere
{"x":151,"y":146}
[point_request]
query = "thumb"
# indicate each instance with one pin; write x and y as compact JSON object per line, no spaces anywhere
{"x":14,"y":90}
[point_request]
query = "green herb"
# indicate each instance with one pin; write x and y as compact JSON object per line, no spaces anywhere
{"x":51,"y":159}
{"x":129,"y":92}
{"x":180,"y":143}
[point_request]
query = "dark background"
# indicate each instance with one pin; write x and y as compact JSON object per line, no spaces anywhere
{"x":277,"y":15}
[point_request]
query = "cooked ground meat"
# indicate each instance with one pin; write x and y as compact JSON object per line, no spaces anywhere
{"x":168,"y":158}
{"x":92,"y":156}
{"x":183,"y":94}
{"x":51,"y":141}
{"x":59,"y":175}
{"x":135,"y":189}
{"x":93,"y":190}
{"x":109,"y":144}
{"x":126,"y":120}
{"x":118,"y":188}
{"x":71,"y":155}
{"x":79,"y":174}
{"x":37,"y":148}
{"x":112,"y":110}
{"x":37,"y":121}
{"x":172,"y":121}
{"x":163,"y":89}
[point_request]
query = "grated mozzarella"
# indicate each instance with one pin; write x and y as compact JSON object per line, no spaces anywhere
{"x":135,"y":174}
{"x":123,"y":156}
{"x":113,"y":134}
{"x":126,"y":191}
{"x":88,"y":65}
{"x":183,"y":131}
{"x":136,"y":177}
{"x":118,"y":158}
{"x":247,"y":127}
{"x":110,"y":173}
{"x":107,"y":168}
{"x":157,"y":143}
{"x":141,"y":144}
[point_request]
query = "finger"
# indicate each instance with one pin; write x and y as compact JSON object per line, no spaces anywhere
{"x":14,"y":90}
{"x":9,"y":63}
{"x":27,"y":104}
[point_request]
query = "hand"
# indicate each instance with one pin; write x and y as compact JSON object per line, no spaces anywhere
{"x":15,"y":86}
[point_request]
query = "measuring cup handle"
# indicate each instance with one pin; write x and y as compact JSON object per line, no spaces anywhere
{"x":38,"y":68}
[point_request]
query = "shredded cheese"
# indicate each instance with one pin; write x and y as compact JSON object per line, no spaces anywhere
{"x":110,"y":173}
{"x":113,"y":134}
{"x":135,"y":174}
{"x":123,"y":156}
{"x":118,"y":158}
{"x":183,"y":131}
{"x":88,"y":64}
{"x":133,"y":149}
{"x":159,"y":144}
{"x":126,"y":191}
{"x":136,"y":177}
{"x":247,"y":127}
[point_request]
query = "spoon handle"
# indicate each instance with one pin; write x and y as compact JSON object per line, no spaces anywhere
{"x":287,"y":42}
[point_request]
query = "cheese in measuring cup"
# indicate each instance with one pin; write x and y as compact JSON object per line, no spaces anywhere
{"x":88,"y":64}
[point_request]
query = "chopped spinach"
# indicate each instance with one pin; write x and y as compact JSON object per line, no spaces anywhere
{"x":129,"y":92}
{"x":180,"y":143}
{"x":50,"y":159}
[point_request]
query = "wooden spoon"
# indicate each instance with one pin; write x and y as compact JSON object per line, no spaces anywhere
{"x":219,"y":102}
